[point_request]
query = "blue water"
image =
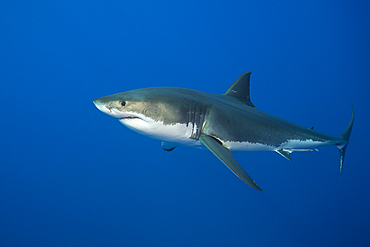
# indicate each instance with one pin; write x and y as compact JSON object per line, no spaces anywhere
{"x":72,"y":176}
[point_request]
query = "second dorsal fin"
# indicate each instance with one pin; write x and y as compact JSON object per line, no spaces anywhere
{"x":240,"y":89}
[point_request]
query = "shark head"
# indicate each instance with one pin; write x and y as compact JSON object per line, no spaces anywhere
{"x":150,"y":111}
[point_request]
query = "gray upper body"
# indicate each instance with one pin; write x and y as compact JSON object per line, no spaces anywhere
{"x":219,"y":122}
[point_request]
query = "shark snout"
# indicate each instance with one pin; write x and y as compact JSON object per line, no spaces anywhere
{"x":97,"y":102}
{"x":102,"y":106}
{"x":108,"y":108}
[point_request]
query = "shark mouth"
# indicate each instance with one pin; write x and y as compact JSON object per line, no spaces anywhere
{"x":129,"y":118}
{"x":133,"y":119}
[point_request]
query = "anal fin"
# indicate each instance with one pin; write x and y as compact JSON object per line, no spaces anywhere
{"x":225,"y":156}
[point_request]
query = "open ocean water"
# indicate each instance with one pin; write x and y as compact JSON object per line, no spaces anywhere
{"x":72,"y":176}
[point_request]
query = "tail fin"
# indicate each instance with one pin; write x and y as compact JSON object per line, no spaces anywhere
{"x":345,"y":136}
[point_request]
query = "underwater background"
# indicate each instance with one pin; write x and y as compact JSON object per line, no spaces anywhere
{"x":72,"y":176}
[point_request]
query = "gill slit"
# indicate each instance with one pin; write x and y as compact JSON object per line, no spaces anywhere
{"x":196,"y":117}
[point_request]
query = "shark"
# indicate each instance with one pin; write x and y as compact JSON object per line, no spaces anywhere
{"x":220,"y":123}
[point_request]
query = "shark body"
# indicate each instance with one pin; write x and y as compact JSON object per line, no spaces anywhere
{"x":221,"y":123}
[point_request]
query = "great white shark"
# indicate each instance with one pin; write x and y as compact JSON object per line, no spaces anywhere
{"x":221,"y":123}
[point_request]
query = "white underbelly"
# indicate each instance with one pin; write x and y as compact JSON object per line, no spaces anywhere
{"x":290,"y":144}
{"x":175,"y":133}
{"x":247,"y":146}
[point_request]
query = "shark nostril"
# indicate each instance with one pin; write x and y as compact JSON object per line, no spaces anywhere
{"x":109,"y":108}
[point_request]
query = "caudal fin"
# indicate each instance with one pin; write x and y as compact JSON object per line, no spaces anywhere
{"x":345,"y":136}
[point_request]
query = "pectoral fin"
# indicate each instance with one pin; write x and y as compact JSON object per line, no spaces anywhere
{"x":169,"y":146}
{"x":225,"y":156}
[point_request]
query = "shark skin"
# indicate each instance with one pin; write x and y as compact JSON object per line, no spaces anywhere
{"x":220,"y":123}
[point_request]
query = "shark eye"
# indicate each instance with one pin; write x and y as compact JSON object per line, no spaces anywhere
{"x":123,"y":103}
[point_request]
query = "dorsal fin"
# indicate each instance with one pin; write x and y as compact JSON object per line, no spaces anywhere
{"x":240,"y":89}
